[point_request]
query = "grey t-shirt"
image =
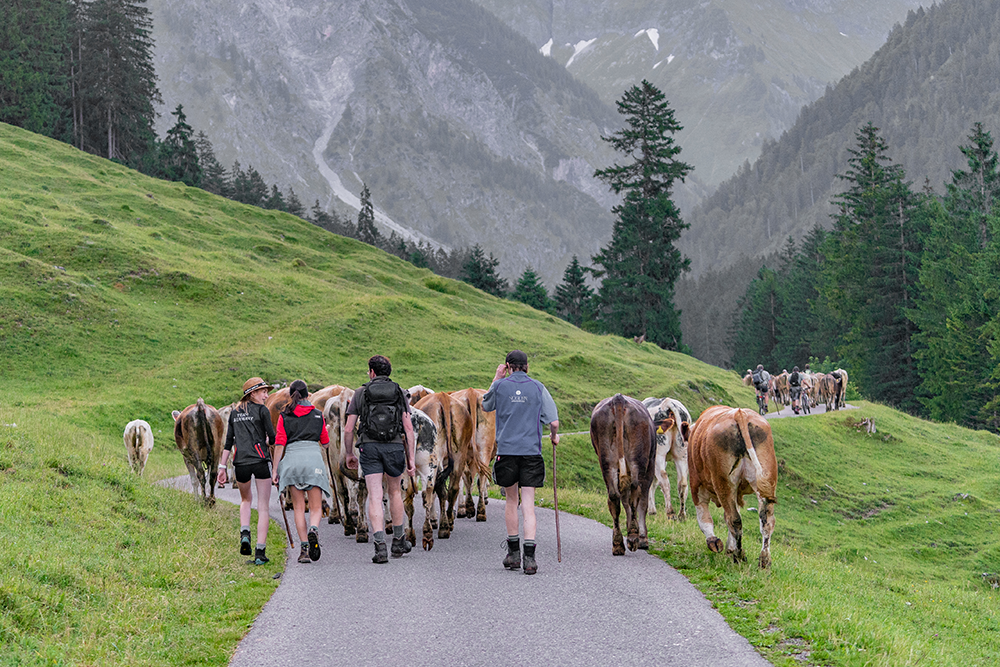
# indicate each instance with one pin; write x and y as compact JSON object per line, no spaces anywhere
{"x":522,"y":405}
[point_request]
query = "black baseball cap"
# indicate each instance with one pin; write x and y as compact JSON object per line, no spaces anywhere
{"x":517,"y":358}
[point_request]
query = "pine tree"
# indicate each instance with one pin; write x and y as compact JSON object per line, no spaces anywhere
{"x":481,"y":271}
{"x":530,"y":290}
{"x":367,"y":231}
{"x":872,"y":269}
{"x":34,"y":53}
{"x":573,"y":297}
{"x":178,"y":152}
{"x":214,"y":178}
{"x":275,"y":202}
{"x":115,"y":87}
{"x":641,"y":264}
{"x":754,"y":336}
{"x":294,"y":205}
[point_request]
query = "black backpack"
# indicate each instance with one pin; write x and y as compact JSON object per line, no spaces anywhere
{"x":758,"y":381}
{"x":794,"y":380}
{"x":381,"y":419}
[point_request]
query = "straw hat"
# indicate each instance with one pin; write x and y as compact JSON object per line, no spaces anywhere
{"x":253,"y":384}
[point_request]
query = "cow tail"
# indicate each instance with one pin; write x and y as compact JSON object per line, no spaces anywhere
{"x":618,"y":409}
{"x":203,"y":431}
{"x":741,"y":421}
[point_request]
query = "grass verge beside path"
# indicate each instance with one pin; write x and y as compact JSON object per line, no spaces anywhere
{"x":879,"y":547}
{"x":99,"y":567}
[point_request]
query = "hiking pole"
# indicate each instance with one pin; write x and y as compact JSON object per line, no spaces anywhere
{"x":555,"y":502}
{"x":281,"y":504}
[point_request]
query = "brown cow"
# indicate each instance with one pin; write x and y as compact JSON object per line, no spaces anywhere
{"x":417,"y":392}
{"x":828,"y":390}
{"x":730,"y":454}
{"x":198,"y":431}
{"x":782,"y":394}
{"x":840,"y":384}
{"x":623,"y":437}
{"x":479,"y":449}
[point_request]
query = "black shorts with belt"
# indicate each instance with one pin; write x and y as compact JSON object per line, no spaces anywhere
{"x":521,"y":470}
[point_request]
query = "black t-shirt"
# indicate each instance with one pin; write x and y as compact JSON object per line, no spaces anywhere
{"x":250,"y":431}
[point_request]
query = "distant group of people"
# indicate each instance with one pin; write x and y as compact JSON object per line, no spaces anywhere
{"x":762,"y":384}
{"x":379,"y":414}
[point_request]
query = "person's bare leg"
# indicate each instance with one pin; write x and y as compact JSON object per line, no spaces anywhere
{"x":528,"y":511}
{"x":376,"y":515}
{"x":299,"y":507}
{"x":263,"y":508}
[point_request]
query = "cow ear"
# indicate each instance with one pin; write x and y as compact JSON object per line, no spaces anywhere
{"x":685,"y":430}
{"x":175,"y":414}
{"x":664,"y":425}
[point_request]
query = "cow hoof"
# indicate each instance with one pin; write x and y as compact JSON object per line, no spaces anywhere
{"x":460,"y":512}
{"x":714,"y":544}
{"x":428,"y":543}
{"x":481,"y":516}
{"x":652,"y":511}
{"x":470,"y":509}
{"x":411,"y":536}
{"x":633,"y":543}
{"x":618,"y":549}
{"x":434,"y":523}
{"x":643,"y":543}
{"x":348,"y":530}
{"x":765,"y":561}
{"x":362,"y":537}
{"x":443,"y":533}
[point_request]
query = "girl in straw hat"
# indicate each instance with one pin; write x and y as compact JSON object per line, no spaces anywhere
{"x":250,"y":432}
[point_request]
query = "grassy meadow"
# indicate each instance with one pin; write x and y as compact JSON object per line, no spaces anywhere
{"x":123,"y":297}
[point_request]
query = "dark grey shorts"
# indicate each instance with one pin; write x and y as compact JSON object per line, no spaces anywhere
{"x":388,"y":458}
{"x":520,"y":470}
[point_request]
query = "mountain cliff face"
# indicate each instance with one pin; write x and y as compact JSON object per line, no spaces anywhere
{"x":463,"y":132}
{"x":736,"y":72}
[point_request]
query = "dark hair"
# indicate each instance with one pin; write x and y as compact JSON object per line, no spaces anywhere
{"x":297,"y":391}
{"x":518,"y":367}
{"x":795,"y":369}
{"x":380,"y":365}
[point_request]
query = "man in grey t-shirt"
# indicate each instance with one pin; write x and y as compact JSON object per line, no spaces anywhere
{"x":522,"y":405}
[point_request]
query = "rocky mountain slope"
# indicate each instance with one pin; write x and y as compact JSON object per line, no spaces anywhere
{"x":463,"y":132}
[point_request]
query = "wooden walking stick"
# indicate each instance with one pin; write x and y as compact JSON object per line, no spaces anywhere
{"x":281,"y":504}
{"x":555,"y":502}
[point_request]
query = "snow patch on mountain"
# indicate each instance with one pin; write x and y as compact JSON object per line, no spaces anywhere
{"x":578,"y":48}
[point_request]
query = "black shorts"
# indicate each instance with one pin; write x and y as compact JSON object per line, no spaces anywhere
{"x":520,"y":470}
{"x":388,"y":458}
{"x":260,"y":470}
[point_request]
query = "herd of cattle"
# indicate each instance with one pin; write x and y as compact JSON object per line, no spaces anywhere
{"x":826,"y":388}
{"x":724,"y":455}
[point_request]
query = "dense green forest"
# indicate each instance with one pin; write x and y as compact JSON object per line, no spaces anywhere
{"x":931,"y":81}
{"x":902,"y":291}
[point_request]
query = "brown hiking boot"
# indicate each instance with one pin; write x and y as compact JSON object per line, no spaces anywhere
{"x":304,"y":554}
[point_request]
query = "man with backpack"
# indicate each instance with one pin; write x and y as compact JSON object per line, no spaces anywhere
{"x":795,"y":388}
{"x":387,"y":444}
{"x":762,"y":383}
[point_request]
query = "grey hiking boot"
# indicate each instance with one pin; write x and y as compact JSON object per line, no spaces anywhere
{"x":400,"y":547}
{"x":530,"y":566}
{"x":244,"y":542}
{"x":313,"y":545}
{"x":381,"y":553}
{"x":512,"y":561}
{"x":304,"y":554}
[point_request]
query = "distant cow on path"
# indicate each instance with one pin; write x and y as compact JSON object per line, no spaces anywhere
{"x":623,"y":437}
{"x":730,"y":454}
{"x":198,"y":431}
{"x":138,"y":443}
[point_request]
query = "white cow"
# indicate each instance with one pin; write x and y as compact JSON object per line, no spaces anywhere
{"x":672,"y":420}
{"x":138,"y":443}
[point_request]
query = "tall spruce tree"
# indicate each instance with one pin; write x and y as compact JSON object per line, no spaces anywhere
{"x":958,"y":301}
{"x":214,"y":178}
{"x":115,"y":87}
{"x":573,"y":296}
{"x":754,"y":336}
{"x":641,"y":264}
{"x":481,"y":271}
{"x":179,"y":153}
{"x":34,"y":77}
{"x":367,"y":231}
{"x":872,"y":269}
{"x":530,"y":290}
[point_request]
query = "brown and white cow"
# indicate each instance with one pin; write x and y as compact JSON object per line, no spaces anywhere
{"x":425,"y":433}
{"x":840,"y":390}
{"x":417,"y":392}
{"x":138,"y":438}
{"x":198,"y":431}
{"x":731,"y":453}
{"x":623,"y":437}
{"x":672,"y":421}
{"x":782,"y":394}
{"x":440,"y":464}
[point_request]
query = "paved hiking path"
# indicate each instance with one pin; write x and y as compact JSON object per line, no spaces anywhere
{"x":457,"y":605}
{"x":786,"y":411}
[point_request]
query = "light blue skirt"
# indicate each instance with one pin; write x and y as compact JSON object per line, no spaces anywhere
{"x":302,"y":466}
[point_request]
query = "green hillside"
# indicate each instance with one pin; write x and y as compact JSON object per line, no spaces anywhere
{"x":123,"y":297}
